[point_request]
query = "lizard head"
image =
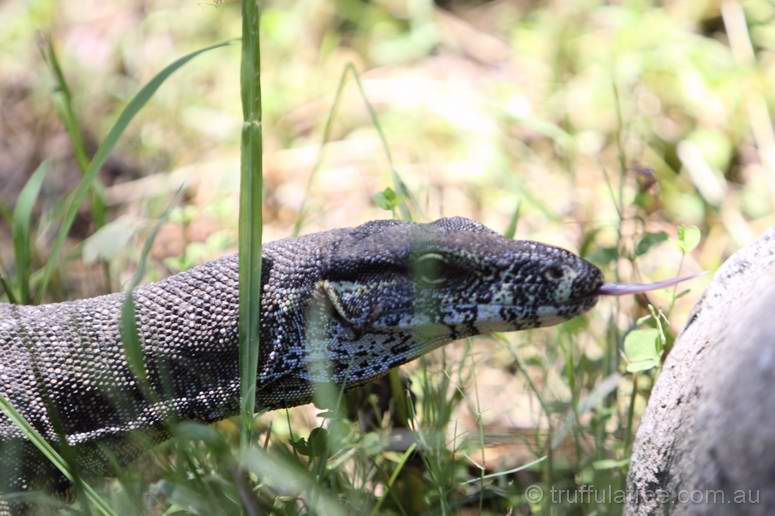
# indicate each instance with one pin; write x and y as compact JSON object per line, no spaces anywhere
{"x":396,"y":290}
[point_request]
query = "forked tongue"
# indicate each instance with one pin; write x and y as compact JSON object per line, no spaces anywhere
{"x":623,"y":289}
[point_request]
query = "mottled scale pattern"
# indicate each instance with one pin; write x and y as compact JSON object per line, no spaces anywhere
{"x":344,"y":305}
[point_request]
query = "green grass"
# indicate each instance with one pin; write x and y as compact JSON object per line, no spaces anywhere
{"x":63,"y":101}
{"x":250,"y":216}
{"x":22,"y":215}
{"x":103,"y":151}
{"x":52,"y":455}
{"x":130,"y":336}
{"x":593,"y":118}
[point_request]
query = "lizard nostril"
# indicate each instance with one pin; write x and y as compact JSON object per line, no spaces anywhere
{"x":554,"y":273}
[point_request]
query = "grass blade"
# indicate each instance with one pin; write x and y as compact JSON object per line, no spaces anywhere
{"x":65,"y":105}
{"x":300,"y":218}
{"x":89,"y":176}
{"x":22,"y":213}
{"x":5,"y":214}
{"x":51,"y":454}
{"x":63,"y":101}
{"x":401,"y":463}
{"x":523,"y":467}
{"x":408,"y":201}
{"x":130,"y":335}
{"x":250,"y":220}
{"x":511,"y":230}
{"x":8,"y":291}
{"x":598,"y":395}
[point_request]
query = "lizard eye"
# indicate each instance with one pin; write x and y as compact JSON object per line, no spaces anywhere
{"x":429,"y":269}
{"x":554,"y":273}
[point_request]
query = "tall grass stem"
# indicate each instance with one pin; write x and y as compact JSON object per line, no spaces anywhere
{"x":250,"y":219}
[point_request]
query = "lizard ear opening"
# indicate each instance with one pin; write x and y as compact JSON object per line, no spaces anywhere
{"x":343,"y":296}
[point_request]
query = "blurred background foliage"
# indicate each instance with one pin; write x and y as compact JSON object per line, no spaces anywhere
{"x":603,"y":127}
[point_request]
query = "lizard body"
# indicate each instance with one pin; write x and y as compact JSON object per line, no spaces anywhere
{"x":341,"y":306}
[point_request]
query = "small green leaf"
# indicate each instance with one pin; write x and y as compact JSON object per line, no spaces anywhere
{"x":318,"y":442}
{"x":301,"y":446}
{"x":649,"y":240}
{"x":688,"y":238}
{"x":640,"y":348}
{"x":22,"y":213}
{"x":603,"y":256}
{"x":387,"y":199}
{"x":642,"y":199}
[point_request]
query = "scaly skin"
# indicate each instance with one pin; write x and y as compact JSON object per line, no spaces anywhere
{"x":344,"y":305}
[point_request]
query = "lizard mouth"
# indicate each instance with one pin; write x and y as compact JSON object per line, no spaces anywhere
{"x":586,"y":292}
{"x":493,"y":316}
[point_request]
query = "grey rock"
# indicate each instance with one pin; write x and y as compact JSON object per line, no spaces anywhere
{"x":706,"y":444}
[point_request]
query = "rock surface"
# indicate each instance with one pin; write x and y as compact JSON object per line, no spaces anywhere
{"x":706,"y":444}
